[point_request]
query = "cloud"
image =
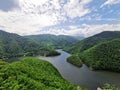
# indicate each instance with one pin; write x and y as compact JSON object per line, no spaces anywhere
{"x":94,"y":29}
{"x":34,"y":16}
{"x":85,"y":30}
{"x":89,"y":30}
{"x":7,"y":5}
{"x":110,"y":2}
{"x":76,"y":8}
{"x":72,"y":32}
{"x":22,"y":23}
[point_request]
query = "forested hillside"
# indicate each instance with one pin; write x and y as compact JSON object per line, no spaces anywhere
{"x":13,"y":45}
{"x":75,"y":60}
{"x":53,"y":40}
{"x":101,"y":51}
{"x":104,"y":56}
{"x":32,"y":74}
{"x":93,"y":40}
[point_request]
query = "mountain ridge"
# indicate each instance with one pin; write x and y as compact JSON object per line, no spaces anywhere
{"x":56,"y":41}
{"x":13,"y":45}
{"x":91,"y":41}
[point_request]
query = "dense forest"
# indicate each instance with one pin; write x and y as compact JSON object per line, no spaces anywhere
{"x":101,"y":51}
{"x":35,"y":74}
{"x":105,"y":56}
{"x":13,"y":45}
{"x":91,"y":41}
{"x":55,"y":41}
{"x":32,"y":74}
{"x":75,"y":60}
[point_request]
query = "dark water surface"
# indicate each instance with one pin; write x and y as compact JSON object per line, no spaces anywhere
{"x":82,"y":76}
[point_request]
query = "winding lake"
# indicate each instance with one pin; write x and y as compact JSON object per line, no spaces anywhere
{"x":82,"y":76}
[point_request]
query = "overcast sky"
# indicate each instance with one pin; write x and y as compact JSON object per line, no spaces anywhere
{"x":68,"y":17}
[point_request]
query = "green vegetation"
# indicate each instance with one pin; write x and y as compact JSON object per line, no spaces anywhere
{"x":101,"y":51}
{"x":75,"y":60}
{"x":53,"y":40}
{"x":32,"y":74}
{"x":52,"y":53}
{"x":104,"y":56}
{"x":13,"y":45}
{"x":91,"y":41}
{"x":110,"y":87}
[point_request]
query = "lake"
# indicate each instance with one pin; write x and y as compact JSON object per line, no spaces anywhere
{"x":83,"y":76}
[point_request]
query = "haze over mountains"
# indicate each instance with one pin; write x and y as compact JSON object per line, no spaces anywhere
{"x":59,"y":41}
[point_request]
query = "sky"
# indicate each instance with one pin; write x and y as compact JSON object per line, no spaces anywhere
{"x":59,"y":17}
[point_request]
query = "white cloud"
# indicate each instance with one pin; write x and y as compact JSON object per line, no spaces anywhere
{"x":94,"y":29}
{"x":22,"y":23}
{"x":110,"y":2}
{"x":73,"y":27}
{"x":63,"y":31}
{"x":86,"y":30}
{"x":33,"y":16}
{"x":76,"y":8}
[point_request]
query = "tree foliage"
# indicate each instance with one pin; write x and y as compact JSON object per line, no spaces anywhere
{"x":53,"y":40}
{"x":13,"y":45}
{"x":99,"y":51}
{"x":31,"y":74}
{"x":105,"y":56}
{"x":91,"y":41}
{"x":75,"y":60}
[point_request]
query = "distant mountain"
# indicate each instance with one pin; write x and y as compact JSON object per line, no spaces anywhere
{"x":53,"y":40}
{"x":79,"y":37}
{"x":104,"y":56}
{"x":93,"y":40}
{"x":13,"y":45}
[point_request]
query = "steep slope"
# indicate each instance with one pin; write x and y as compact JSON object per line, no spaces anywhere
{"x":53,"y":40}
{"x":104,"y":56}
{"x":93,"y":40}
{"x":13,"y":45}
{"x":32,"y":74}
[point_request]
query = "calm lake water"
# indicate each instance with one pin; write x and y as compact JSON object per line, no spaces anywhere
{"x":82,"y":76}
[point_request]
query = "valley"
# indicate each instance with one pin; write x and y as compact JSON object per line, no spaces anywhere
{"x":83,"y":65}
{"x":59,"y":44}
